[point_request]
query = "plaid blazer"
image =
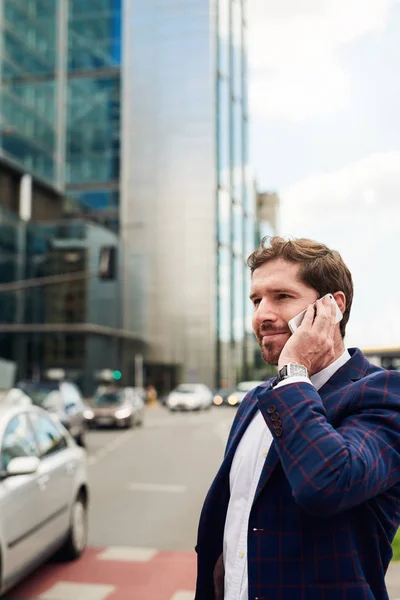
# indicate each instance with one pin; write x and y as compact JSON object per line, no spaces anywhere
{"x":327,"y":505}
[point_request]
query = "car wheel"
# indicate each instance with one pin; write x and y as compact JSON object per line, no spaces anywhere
{"x":76,"y":541}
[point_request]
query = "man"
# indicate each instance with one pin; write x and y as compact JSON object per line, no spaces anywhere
{"x":307,"y":500}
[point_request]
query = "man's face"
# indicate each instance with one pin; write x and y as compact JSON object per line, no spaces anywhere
{"x":277,"y":296}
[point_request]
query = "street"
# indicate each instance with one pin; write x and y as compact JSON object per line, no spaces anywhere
{"x":147,"y":487}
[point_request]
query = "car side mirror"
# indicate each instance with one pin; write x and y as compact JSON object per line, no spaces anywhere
{"x":22,"y":465}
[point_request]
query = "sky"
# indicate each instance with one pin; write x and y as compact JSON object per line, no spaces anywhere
{"x":325,"y":135}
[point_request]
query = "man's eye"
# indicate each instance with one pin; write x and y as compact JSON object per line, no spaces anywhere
{"x":283,"y":296}
{"x":256,"y":302}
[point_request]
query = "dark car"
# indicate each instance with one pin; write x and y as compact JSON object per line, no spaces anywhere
{"x":61,"y":399}
{"x":117,"y":407}
{"x":221,"y":397}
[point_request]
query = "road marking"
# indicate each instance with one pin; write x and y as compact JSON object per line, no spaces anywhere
{"x":127,"y":554}
{"x":157,"y":487}
{"x":115,"y":443}
{"x":65,"y":590}
{"x":183,"y":596}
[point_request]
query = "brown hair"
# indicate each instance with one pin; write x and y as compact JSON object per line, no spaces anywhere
{"x":321,"y":268}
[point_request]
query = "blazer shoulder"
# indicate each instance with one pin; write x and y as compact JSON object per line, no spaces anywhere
{"x":382,"y":377}
{"x":381,"y":382}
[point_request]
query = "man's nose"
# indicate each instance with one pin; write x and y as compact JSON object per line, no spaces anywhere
{"x":265,"y":312}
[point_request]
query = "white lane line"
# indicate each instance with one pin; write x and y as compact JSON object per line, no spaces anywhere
{"x":181,"y":595}
{"x":66,"y":590}
{"x":113,"y":445}
{"x":156,"y":487}
{"x":127,"y":554}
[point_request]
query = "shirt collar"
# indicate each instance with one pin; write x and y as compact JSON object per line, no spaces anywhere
{"x":319,"y":379}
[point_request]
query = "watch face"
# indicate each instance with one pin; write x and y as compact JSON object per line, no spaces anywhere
{"x":295,"y":370}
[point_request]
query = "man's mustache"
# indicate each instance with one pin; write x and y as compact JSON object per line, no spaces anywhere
{"x":265,"y":329}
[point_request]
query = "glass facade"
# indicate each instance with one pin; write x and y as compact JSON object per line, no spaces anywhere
{"x":94,"y":107}
{"x":72,"y":324}
{"x":28,"y":94}
{"x":236,"y":198}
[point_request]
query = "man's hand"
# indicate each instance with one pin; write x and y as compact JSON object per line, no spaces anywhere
{"x":312,"y":344}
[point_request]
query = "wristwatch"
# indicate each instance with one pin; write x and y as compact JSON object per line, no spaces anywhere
{"x":291,"y":370}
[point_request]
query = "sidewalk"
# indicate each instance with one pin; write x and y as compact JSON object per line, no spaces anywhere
{"x":393,"y":580}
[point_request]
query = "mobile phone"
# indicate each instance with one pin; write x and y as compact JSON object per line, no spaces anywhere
{"x":297,"y":320}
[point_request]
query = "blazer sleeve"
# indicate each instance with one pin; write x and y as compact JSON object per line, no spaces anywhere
{"x":329,"y":469}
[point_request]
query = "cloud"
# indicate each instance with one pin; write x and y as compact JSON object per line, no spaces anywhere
{"x":356,"y":211}
{"x":293,"y":52}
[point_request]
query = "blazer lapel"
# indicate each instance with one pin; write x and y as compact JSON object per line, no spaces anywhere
{"x":270,"y":463}
{"x":237,"y":436}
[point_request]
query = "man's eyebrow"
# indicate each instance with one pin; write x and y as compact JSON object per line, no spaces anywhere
{"x":274,"y":291}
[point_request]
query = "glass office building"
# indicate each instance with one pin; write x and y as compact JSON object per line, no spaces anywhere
{"x":60,"y":97}
{"x":28,"y":88}
{"x":75,"y":324}
{"x":185,"y":190}
{"x":236,"y":196}
{"x":94,"y":107}
{"x":172,"y":78}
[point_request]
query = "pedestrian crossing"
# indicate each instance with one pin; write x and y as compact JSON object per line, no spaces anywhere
{"x":114,"y":573}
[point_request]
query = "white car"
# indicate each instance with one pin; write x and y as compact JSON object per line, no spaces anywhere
{"x":190,"y":396}
{"x":43,"y":492}
{"x":241,"y":390}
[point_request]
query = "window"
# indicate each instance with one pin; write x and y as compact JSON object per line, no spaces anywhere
{"x":49,"y":436}
{"x":224,"y":292}
{"x":224,"y":133}
{"x":224,"y":217}
{"x":18,"y":440}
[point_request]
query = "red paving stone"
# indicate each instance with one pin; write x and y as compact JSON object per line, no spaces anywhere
{"x":156,"y":579}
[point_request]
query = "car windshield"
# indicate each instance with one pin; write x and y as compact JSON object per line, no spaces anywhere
{"x":109,"y":398}
{"x":186,"y":389}
{"x":39,"y":392}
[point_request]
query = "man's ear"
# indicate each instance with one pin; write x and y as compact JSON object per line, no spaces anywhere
{"x":340,"y":301}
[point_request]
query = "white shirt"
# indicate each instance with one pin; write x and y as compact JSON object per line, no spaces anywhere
{"x":244,"y":476}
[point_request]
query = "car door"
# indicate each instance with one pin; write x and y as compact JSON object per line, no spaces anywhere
{"x":57,"y":469}
{"x":20,"y":498}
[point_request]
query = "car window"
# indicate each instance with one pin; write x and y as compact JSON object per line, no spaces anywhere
{"x":71,"y":397}
{"x":50,"y":438}
{"x":109,"y":398}
{"x":186,"y":389}
{"x":18,"y":440}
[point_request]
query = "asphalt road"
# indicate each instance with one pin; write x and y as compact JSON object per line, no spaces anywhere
{"x":148,"y":484}
{"x":147,"y":488}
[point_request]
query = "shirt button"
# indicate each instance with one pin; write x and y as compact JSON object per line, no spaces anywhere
{"x":241,"y":554}
{"x":271,"y":409}
{"x":274,"y":416}
{"x":265,"y":454}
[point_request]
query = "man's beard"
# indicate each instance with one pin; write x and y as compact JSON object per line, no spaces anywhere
{"x":270,"y":353}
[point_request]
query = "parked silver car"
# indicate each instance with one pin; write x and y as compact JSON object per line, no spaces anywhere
{"x":62,"y":399}
{"x":43,"y":492}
